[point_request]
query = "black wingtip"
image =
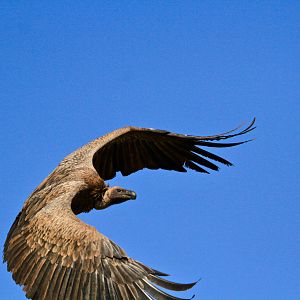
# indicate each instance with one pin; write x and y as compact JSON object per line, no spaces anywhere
{"x":231,"y":133}
{"x":170,"y":285}
{"x":158,"y":273}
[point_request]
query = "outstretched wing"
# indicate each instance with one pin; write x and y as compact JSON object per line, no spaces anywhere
{"x":55,"y":255}
{"x":131,"y":149}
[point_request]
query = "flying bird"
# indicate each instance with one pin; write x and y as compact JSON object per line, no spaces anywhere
{"x":54,"y":255}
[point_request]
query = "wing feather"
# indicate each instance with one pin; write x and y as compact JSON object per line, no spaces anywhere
{"x":195,"y":167}
{"x":33,"y":277}
{"x":122,"y":292}
{"x":177,"y":158}
{"x":127,"y":159}
{"x":139,"y":161}
{"x":155,"y":292}
{"x":44,"y":286}
{"x":142,"y":294}
{"x":148,"y":159}
{"x":41,"y":277}
{"x":116,"y":157}
{"x":169,"y":161}
{"x":138,"y":148}
{"x":171,"y":285}
{"x":135,"y":295}
{"x":211,"y":155}
{"x":74,"y":289}
{"x":107,"y":161}
{"x":26,"y":265}
{"x":104,"y":291}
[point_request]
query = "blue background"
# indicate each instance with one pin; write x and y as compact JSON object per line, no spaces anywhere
{"x":74,"y":70}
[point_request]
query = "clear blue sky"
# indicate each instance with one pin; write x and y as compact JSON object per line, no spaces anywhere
{"x":74,"y":70}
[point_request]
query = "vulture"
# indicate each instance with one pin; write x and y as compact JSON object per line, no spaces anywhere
{"x":55,"y":255}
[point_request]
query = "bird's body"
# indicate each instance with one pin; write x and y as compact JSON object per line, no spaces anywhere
{"x":55,"y":255}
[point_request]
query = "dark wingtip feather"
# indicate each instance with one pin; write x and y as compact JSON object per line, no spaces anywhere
{"x":220,"y":145}
{"x":170,"y":285}
{"x":227,"y":135}
{"x":156,"y":293}
{"x":193,"y":166}
{"x":158,"y":273}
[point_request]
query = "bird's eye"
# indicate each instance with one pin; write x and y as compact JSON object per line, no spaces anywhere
{"x":118,"y":190}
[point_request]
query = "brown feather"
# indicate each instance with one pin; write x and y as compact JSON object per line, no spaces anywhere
{"x":73,"y":289}
{"x":33,"y":276}
{"x":141,"y":293}
{"x":41,"y":278}
{"x":64,"y":284}
{"x":54,"y":286}
{"x":122,"y":292}
{"x":133,"y":292}
{"x":45,"y":282}
{"x":26,"y":267}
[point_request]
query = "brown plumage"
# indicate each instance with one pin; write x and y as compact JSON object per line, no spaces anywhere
{"x":54,"y":255}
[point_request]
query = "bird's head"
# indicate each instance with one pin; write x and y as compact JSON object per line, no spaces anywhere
{"x":114,"y":195}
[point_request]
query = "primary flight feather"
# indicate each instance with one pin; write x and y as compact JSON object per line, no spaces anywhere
{"x":54,"y":255}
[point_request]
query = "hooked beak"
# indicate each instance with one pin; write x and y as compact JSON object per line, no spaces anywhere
{"x":131,"y":195}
